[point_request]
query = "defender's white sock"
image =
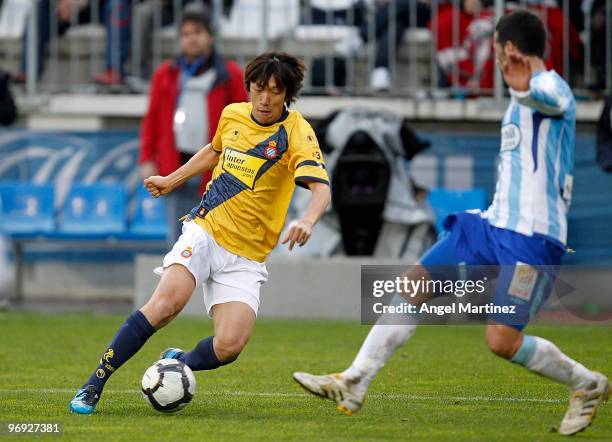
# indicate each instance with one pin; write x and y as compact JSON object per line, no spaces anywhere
{"x":545,"y":358}
{"x":377,"y":348}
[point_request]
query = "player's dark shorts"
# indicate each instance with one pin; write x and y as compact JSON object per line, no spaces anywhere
{"x":470,"y":245}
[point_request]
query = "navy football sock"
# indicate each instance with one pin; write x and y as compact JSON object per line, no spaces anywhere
{"x":130,"y":337}
{"x":203,"y":356}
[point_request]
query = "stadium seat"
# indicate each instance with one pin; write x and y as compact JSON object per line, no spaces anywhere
{"x":94,"y":210}
{"x":149,"y":220}
{"x":445,"y":202}
{"x":26,"y":208}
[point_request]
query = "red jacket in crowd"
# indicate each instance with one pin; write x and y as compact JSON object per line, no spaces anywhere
{"x":472,"y":53}
{"x":157,"y":132}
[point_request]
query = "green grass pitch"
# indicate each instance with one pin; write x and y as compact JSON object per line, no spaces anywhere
{"x":442,"y":385}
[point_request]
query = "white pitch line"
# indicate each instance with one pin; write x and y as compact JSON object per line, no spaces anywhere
{"x":414,"y":397}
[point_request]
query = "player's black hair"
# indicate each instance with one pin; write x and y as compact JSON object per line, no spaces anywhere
{"x":525,"y":30}
{"x":198,"y":17}
{"x":287,"y":70}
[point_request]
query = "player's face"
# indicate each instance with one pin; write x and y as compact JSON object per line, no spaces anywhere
{"x":268,"y":101}
{"x":196,"y":41}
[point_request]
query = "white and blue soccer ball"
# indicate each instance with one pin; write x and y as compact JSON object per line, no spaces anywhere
{"x":168,"y":385}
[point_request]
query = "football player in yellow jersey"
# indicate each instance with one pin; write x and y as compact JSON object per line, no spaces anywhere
{"x":261,"y":150}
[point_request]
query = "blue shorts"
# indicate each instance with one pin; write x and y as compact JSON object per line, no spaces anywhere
{"x":471,"y":243}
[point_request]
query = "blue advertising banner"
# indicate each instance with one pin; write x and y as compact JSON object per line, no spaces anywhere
{"x":64,"y":158}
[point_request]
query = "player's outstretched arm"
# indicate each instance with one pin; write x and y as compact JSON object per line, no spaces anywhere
{"x":201,"y":162}
{"x":544,"y":92}
{"x":300,"y":230}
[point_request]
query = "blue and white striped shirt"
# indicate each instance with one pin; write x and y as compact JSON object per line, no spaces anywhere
{"x":536,"y":159}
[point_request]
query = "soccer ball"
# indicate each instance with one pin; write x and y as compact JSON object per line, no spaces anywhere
{"x":168,"y":385}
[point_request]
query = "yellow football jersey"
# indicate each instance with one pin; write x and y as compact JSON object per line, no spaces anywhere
{"x":246,"y":202}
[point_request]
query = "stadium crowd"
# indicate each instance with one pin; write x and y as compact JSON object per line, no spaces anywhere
{"x":462,"y":34}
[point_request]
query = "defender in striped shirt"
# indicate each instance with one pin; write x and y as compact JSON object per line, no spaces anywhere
{"x":536,"y":159}
{"x":522,"y":236}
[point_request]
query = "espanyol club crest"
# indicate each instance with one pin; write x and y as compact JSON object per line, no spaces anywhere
{"x":271,"y":151}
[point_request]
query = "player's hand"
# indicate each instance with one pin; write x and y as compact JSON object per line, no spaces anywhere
{"x":516,"y":69}
{"x":299,"y":232}
{"x":158,"y":185}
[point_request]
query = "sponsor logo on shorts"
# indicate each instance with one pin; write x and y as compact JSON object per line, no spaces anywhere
{"x":100,"y":373}
{"x":187,"y":252}
{"x":523,"y":281}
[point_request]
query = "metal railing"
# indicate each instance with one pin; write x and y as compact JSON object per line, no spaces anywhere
{"x":439,"y":51}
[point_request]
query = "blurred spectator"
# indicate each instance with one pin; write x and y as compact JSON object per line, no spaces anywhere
{"x":66,"y":13}
{"x":598,"y":44}
{"x":574,"y":11}
{"x":466,"y":58}
{"x":401,"y":15}
{"x":604,"y":137}
{"x":8,"y":111}
{"x":121,"y":26}
{"x":117,"y":21}
{"x":187,"y":97}
{"x":554,"y":20}
{"x":143,"y":28}
{"x":143,"y":24}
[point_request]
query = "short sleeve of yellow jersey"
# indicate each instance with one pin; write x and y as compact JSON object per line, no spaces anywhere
{"x":306,"y":161}
{"x":217,"y":143}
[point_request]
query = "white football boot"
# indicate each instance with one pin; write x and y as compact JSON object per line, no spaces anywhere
{"x":583,"y":406}
{"x":348,"y":397}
